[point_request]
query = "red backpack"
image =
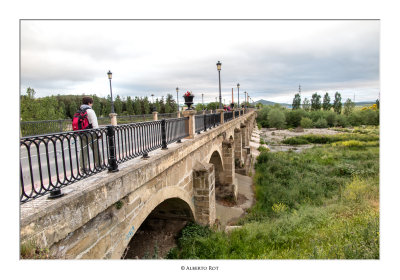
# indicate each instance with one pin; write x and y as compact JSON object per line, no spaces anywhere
{"x":80,"y":120}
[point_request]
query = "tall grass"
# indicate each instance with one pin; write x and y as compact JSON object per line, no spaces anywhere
{"x":322,"y":203}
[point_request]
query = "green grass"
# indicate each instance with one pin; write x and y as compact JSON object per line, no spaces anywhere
{"x":322,"y":203}
{"x":326,"y":139}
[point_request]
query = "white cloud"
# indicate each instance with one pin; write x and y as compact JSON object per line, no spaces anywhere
{"x":268,"y":58}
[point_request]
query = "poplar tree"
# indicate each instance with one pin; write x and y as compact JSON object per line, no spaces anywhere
{"x":326,"y":103}
{"x":316,"y":102}
{"x":296,"y":102}
{"x":306,"y":104}
{"x":337,"y":103}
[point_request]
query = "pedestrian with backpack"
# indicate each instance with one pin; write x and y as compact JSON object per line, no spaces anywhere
{"x":85,"y":118}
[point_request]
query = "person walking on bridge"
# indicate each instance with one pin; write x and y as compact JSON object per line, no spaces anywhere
{"x":89,"y":137}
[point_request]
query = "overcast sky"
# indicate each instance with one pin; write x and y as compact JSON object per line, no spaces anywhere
{"x":268,"y":58}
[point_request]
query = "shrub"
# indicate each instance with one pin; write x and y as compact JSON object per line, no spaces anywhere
{"x":295,"y":141}
{"x":321,"y":123}
{"x":276,"y":118}
{"x":341,"y":120}
{"x":293,"y":117}
{"x":306,"y":123}
{"x":263,"y":149}
{"x":355,"y":118}
{"x":331,"y":118}
{"x":316,"y":115}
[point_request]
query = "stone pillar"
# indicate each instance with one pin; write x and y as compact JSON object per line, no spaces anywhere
{"x":244,"y":134}
{"x":179,"y":114}
{"x":155,"y":116}
{"x":228,"y":189}
{"x":204,"y":193}
{"x":238,"y":147}
{"x":233,"y":111}
{"x":191,"y":124}
{"x":221,"y":111}
{"x":113,"y":118}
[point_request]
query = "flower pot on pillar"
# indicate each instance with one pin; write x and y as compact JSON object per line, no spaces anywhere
{"x":188,"y":96}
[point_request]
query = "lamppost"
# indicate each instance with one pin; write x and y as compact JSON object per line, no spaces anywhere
{"x":238,"y":85}
{"x":245,"y":98}
{"x":219,"y":79}
{"x":112,"y":103}
{"x":152,"y":101}
{"x":177,"y":100}
{"x":202,"y":100}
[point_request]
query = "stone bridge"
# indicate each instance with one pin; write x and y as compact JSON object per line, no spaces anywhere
{"x":97,"y":217}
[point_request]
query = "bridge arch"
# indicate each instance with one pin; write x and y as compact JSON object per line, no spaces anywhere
{"x":169,"y":207}
{"x":216,"y":159}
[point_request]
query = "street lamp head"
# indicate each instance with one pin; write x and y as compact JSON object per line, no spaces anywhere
{"x":109,"y":74}
{"x":219,"y":65}
{"x":238,"y":85}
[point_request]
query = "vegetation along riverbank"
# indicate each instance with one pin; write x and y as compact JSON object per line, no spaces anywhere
{"x":320,"y":203}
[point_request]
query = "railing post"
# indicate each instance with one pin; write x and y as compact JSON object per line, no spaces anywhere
{"x":221,"y":111}
{"x":112,"y":161}
{"x":155,"y":116}
{"x":56,"y":193}
{"x":163,"y":135}
{"x":113,"y":117}
{"x":191,"y":124}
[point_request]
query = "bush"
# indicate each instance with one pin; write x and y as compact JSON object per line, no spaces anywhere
{"x":276,"y":118}
{"x":331,"y":118}
{"x":341,"y":120}
{"x":306,"y":123}
{"x":316,"y":115}
{"x":293,"y":117}
{"x":321,"y":123}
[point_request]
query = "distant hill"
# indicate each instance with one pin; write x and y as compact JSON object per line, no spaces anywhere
{"x":266,"y":102}
{"x":364,"y":103}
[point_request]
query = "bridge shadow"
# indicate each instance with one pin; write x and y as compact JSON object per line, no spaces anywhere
{"x":218,"y":171}
{"x":158,"y":233}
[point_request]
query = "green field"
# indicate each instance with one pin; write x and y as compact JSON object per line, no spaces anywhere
{"x":322,"y":203}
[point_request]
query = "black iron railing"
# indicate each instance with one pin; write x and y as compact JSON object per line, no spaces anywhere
{"x":132,"y":119}
{"x":49,"y":162}
{"x":32,"y":128}
{"x":168,"y":116}
{"x":52,"y":161}
{"x":176,"y":129}
{"x":228,"y":116}
{"x":199,"y":123}
{"x":45,"y":127}
{"x":237,"y":114}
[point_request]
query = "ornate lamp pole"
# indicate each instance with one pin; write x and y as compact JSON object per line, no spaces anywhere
{"x":112,"y":103}
{"x":238,"y":85}
{"x":152,"y":101}
{"x":202,"y":100}
{"x":219,"y":79}
{"x":177,"y":100}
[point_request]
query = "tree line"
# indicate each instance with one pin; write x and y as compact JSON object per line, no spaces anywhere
{"x":314,"y":113}
{"x":57,"y":107}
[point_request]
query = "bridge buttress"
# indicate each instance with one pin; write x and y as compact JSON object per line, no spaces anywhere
{"x":204,"y":193}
